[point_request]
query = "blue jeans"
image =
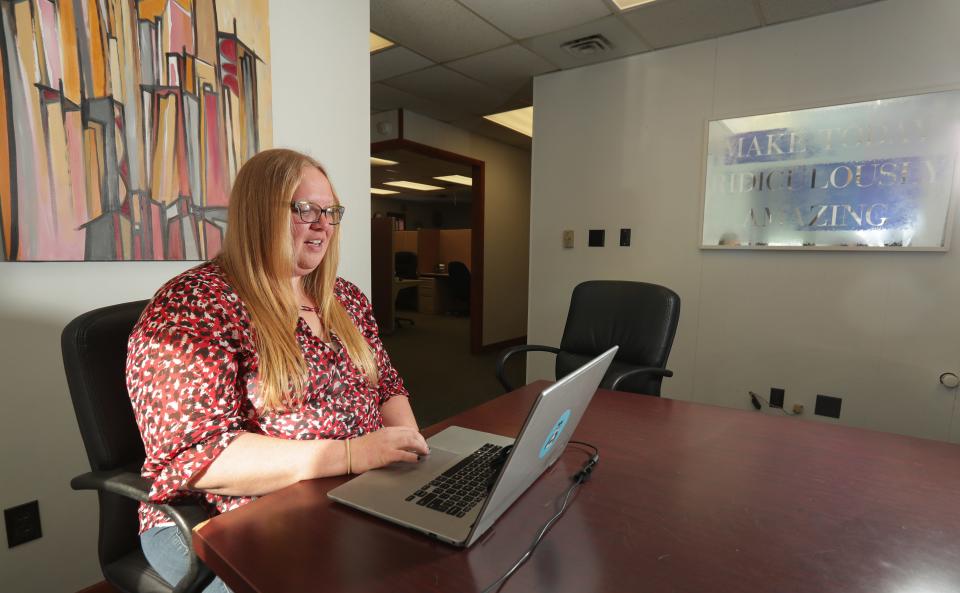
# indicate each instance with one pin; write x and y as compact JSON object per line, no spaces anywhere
{"x":169,"y":555}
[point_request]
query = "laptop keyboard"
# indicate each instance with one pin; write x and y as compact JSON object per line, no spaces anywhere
{"x":461,"y":487}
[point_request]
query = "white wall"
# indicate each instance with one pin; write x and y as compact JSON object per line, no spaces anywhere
{"x":321,"y":97}
{"x":621,"y":144}
{"x":506,"y":220}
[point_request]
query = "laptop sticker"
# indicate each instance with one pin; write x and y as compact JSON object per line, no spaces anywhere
{"x":554,"y":434}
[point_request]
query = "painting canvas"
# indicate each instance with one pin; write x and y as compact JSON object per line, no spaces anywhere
{"x":123,"y":124}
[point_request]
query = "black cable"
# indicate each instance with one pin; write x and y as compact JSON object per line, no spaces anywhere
{"x":579,"y":478}
{"x":582,"y":444}
{"x":756,"y":404}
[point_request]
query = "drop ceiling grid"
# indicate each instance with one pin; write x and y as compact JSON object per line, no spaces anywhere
{"x":471,"y":54}
{"x":665,"y":24}
{"x":395,"y":61}
{"x":442,"y":85}
{"x":508,"y":67}
{"x":522,"y":19}
{"x":440,"y":30}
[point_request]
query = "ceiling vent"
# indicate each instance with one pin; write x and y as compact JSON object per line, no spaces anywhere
{"x":588,"y":46}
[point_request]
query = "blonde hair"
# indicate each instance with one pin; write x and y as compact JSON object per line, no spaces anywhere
{"x":257,"y":257}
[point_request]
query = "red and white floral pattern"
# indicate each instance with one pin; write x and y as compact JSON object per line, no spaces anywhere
{"x":192,"y":378}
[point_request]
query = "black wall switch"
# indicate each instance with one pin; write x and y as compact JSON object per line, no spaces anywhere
{"x":776,"y":397}
{"x":596,"y":237}
{"x":624,"y":237}
{"x":828,"y":406}
{"x":23,"y":523}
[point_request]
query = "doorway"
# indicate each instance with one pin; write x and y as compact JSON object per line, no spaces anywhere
{"x":440,"y":223}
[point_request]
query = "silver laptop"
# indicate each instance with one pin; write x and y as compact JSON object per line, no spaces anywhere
{"x":470,"y":478}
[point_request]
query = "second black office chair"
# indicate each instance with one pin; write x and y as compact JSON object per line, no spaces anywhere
{"x":639,"y":317}
{"x":94,"y":356}
{"x":459,"y":288}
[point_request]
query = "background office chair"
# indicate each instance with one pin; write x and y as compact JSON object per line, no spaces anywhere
{"x":94,"y":349}
{"x":639,"y":317}
{"x":459,"y":288}
{"x":405,"y":266}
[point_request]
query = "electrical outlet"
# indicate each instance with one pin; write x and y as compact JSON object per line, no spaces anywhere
{"x":23,"y":523}
{"x":568,"y":239}
{"x":595,"y":237}
{"x":776,"y":397}
{"x":828,"y":406}
{"x":798,"y":408}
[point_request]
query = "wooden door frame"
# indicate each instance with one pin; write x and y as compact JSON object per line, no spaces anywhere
{"x":476,"y":222}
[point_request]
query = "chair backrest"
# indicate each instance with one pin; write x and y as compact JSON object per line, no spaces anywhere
{"x":405,"y":264}
{"x":639,"y":317}
{"x":94,"y":347}
{"x":459,"y":280}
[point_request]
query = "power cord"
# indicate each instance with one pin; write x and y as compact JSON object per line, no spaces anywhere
{"x":756,"y":399}
{"x":578,"y":478}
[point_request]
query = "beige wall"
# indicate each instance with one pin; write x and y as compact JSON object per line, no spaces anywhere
{"x":40,"y":444}
{"x":621,"y":144}
{"x":455,"y":246}
{"x":405,"y":241}
{"x":506,"y":220}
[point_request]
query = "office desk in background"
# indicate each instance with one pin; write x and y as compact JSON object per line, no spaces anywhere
{"x":686,"y":498}
{"x":434,"y":293}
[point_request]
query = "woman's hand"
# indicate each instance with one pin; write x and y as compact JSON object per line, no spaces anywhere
{"x":385,"y":446}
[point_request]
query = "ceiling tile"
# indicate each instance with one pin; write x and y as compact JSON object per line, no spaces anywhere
{"x":494,"y":131}
{"x":507,"y":68}
{"x":529,"y":18}
{"x":673,"y":22}
{"x":394,"y":62}
{"x":624,"y":41}
{"x":440,"y":30}
{"x":385,"y":98}
{"x":778,"y":11}
{"x":444,"y":86}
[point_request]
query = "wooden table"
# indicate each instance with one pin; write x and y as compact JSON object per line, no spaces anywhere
{"x":686,"y":498}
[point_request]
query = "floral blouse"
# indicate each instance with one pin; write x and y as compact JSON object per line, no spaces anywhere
{"x":192,"y":379}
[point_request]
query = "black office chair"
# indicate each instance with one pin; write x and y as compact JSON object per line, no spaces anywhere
{"x":405,"y":266}
{"x":459,"y":288}
{"x":94,"y":349}
{"x":639,"y":317}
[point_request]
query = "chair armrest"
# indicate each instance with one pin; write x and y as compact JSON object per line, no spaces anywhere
{"x":655,"y":371}
{"x":185,"y":515}
{"x":505,"y":354}
{"x":124,"y":482}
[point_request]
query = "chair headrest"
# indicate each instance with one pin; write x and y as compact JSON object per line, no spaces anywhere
{"x":94,"y":347}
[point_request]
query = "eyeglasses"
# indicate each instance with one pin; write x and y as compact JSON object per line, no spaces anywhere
{"x":311,"y":213}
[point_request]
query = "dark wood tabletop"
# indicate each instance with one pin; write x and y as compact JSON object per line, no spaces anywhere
{"x":686,"y":498}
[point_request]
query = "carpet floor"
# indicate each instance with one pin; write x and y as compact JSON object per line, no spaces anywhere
{"x":433,"y":358}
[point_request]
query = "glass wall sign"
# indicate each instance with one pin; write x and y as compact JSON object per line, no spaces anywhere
{"x":872,"y":175}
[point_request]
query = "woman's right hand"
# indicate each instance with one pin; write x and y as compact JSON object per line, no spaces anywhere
{"x":385,"y":446}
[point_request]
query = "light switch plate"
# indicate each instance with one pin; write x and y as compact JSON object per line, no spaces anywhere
{"x":568,"y":239}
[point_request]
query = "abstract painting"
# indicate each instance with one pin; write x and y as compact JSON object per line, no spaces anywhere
{"x":123,"y":124}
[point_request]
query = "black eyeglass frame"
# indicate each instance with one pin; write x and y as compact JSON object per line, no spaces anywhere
{"x":327,"y":211}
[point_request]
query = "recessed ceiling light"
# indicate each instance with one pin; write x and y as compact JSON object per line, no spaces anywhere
{"x":377,"y":190}
{"x":456,"y":179}
{"x":413,"y":185}
{"x":377,"y":43}
{"x":374,"y":161}
{"x":625,"y":4}
{"x":518,"y":120}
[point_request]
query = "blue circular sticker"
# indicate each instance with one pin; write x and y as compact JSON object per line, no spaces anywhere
{"x":555,"y":433}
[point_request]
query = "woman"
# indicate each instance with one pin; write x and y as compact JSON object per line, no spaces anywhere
{"x":262,"y":368}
